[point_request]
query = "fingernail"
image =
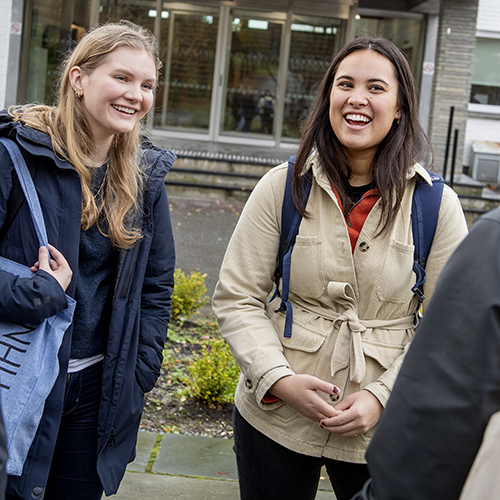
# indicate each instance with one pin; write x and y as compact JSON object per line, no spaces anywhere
{"x":335,"y":390}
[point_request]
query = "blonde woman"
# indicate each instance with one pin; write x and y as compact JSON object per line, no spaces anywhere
{"x":103,"y":198}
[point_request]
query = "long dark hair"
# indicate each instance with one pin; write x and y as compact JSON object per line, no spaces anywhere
{"x":404,"y":144}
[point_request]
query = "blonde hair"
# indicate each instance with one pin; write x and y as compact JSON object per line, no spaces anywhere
{"x":72,"y":138}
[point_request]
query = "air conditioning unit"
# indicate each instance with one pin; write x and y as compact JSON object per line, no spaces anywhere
{"x":486,"y":161}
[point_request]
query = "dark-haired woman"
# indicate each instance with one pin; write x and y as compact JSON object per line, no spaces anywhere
{"x":314,"y":398}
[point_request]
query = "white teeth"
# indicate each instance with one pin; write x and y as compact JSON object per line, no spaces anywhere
{"x":357,"y":118}
{"x":124,"y":109}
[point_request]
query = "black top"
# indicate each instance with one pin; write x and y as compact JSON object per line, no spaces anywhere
{"x":357,"y":192}
{"x":94,"y":287}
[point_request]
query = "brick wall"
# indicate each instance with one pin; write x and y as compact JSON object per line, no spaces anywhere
{"x":5,"y":16}
{"x":454,"y":62}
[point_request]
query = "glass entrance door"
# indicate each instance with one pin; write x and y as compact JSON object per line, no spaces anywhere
{"x":313,"y":43}
{"x":252,"y":75}
{"x":188,"y":41}
{"x":53,"y":27}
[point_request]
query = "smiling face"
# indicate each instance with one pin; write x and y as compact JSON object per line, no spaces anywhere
{"x":116,"y":94}
{"x":363,"y":103}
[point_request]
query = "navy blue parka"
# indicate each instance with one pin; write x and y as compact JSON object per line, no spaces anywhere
{"x":140,"y":307}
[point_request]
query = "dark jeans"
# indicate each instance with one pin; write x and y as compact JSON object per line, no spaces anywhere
{"x":73,"y":473}
{"x":269,"y":471}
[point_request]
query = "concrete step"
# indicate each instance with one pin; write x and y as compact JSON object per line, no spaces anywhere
{"x":475,"y":196}
{"x":228,"y":177}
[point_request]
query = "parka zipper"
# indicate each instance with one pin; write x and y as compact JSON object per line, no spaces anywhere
{"x":112,"y":439}
{"x":129,"y":272}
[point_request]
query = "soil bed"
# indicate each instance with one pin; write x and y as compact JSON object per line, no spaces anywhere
{"x":167,"y":408}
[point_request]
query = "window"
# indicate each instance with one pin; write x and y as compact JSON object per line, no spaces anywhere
{"x":486,"y":72}
{"x":188,"y":41}
{"x":53,"y":27}
{"x":313,"y":43}
{"x":252,"y":74}
{"x":407,"y":33}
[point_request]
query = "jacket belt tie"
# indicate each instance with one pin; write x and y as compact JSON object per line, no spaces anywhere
{"x":348,"y":348}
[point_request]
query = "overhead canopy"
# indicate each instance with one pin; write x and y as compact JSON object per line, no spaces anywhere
{"x":336,"y":8}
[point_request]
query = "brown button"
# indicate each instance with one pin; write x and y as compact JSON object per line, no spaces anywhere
{"x":363,"y":246}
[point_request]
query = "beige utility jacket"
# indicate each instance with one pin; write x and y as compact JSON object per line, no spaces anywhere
{"x":483,"y":480}
{"x":353,"y":313}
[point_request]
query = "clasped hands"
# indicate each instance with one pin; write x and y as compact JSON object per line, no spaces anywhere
{"x":355,"y":414}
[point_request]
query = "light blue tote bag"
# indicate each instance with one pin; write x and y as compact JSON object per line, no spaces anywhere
{"x":28,"y":357}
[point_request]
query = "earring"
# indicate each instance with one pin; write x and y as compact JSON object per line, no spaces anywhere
{"x":79,"y":94}
{"x":399,"y":119}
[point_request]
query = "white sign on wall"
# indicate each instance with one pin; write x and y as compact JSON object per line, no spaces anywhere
{"x":428,"y":68}
{"x":16,"y":28}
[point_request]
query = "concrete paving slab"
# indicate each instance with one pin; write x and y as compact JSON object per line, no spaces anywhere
{"x":137,"y":486}
{"x":209,"y":462}
{"x":196,"y":456}
{"x":145,"y":443}
{"x":217,"y":451}
{"x":324,"y":481}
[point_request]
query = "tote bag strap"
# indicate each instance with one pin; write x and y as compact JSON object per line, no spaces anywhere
{"x":28,"y":188}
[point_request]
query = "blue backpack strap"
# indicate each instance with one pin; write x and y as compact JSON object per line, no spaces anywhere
{"x":290,"y":222}
{"x":424,"y":216}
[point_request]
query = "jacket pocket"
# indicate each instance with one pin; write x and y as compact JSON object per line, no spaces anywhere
{"x":283,"y":415}
{"x":397,"y":276}
{"x":382,"y":348}
{"x":308,"y":331}
{"x":306,"y":269}
{"x":384,"y":356}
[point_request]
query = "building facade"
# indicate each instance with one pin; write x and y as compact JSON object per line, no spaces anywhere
{"x":483,"y":123}
{"x":245,"y":71}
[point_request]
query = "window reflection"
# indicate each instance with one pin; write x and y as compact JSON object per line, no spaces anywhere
{"x":252,"y":75}
{"x":314,"y":41}
{"x":55,"y":26}
{"x":184,"y":93}
{"x":486,"y":72}
{"x":405,"y":33}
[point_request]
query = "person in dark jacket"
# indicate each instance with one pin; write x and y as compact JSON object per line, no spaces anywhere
{"x":448,"y":390}
{"x":102,"y":193}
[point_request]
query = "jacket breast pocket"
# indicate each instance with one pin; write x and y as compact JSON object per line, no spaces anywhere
{"x":397,"y":276}
{"x":306,"y":269}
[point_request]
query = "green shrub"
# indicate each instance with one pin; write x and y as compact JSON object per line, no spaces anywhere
{"x":213,"y":375}
{"x":188,"y":294}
